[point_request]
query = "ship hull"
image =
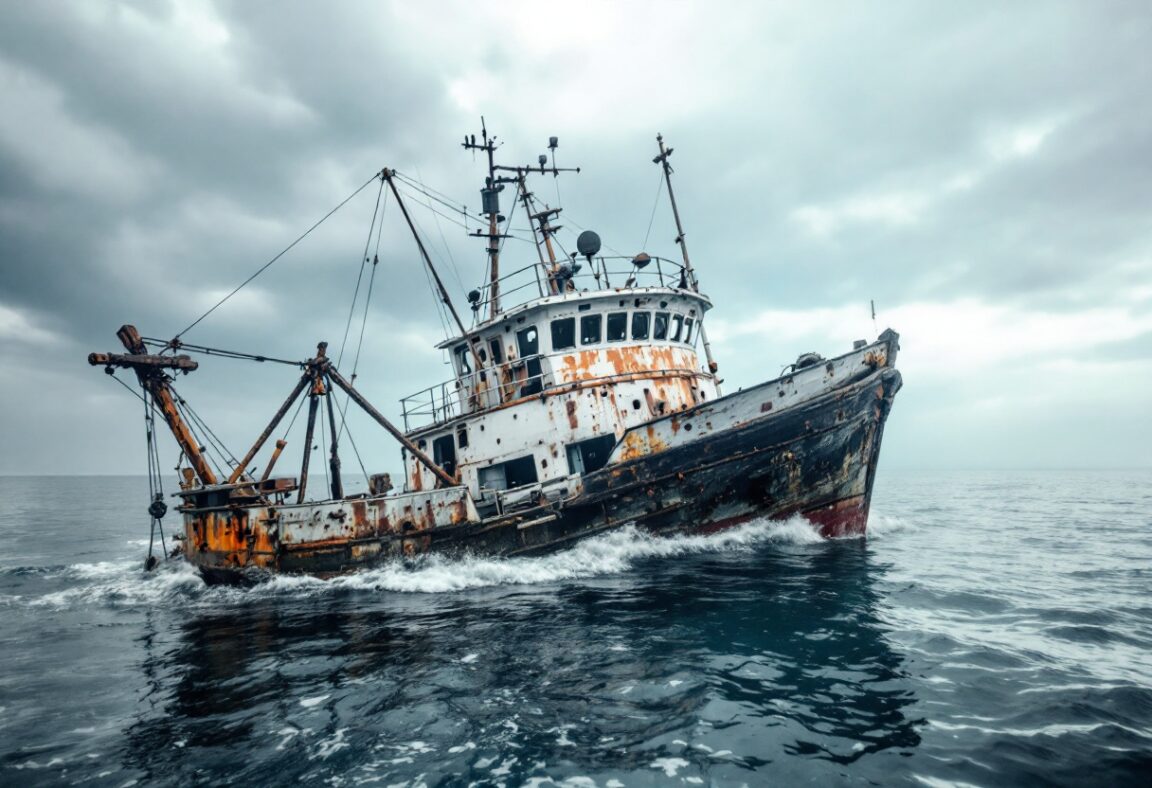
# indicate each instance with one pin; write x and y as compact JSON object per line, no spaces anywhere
{"x":717,"y":466}
{"x":817,"y":460}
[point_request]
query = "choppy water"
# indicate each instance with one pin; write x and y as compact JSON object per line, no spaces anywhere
{"x":995,"y":629}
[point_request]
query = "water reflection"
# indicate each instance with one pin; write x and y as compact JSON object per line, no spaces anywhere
{"x":775,"y":655}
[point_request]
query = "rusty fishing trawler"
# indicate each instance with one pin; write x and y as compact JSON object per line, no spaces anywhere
{"x":579,"y":402}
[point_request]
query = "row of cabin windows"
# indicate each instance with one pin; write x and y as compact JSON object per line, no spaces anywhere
{"x":595,"y":329}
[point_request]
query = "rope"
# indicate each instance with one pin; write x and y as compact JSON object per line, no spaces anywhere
{"x":212,"y":351}
{"x":156,"y":506}
{"x":284,"y":437}
{"x":360,"y":275}
{"x":447,"y":248}
{"x":655,"y":204}
{"x":432,"y":194}
{"x":204,"y":444}
{"x":131,"y":390}
{"x":268,"y":264}
{"x":343,"y":420}
{"x":324,"y":442}
{"x":217,"y":444}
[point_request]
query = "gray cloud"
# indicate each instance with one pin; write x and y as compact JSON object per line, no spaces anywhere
{"x":153,"y":155}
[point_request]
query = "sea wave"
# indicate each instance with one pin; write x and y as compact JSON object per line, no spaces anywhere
{"x":124,"y":582}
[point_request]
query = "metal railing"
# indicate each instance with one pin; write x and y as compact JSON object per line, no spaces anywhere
{"x":600,"y":273}
{"x":444,"y":401}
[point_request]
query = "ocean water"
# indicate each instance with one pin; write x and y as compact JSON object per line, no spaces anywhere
{"x":995,"y":628}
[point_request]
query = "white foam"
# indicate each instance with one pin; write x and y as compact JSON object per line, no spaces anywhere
{"x":125,"y":583}
{"x":328,"y":746}
{"x":101,"y":569}
{"x":669,"y":765}
{"x":882,"y":525}
{"x":608,"y":554}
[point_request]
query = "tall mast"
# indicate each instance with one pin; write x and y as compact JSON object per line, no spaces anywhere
{"x":491,"y":207}
{"x":690,"y":275}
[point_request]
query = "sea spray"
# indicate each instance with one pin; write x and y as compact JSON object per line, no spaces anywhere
{"x":124,"y":583}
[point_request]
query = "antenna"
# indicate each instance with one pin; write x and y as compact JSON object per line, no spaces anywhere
{"x":873,"y":303}
{"x":490,"y":202}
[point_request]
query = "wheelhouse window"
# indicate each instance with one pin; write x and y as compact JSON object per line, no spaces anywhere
{"x":462,"y":360}
{"x":640,"y":324}
{"x":590,"y":329}
{"x":528,"y":341}
{"x":660,"y":326}
{"x":564,"y":333}
{"x":677,"y":327}
{"x":444,"y":453}
{"x":688,"y":330}
{"x":617,"y":326}
{"x":530,"y":375}
{"x":497,"y":350}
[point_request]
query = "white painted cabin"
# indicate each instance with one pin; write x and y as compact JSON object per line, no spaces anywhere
{"x":562,"y":378}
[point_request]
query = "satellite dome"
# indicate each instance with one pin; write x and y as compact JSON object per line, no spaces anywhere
{"x":588,"y":243}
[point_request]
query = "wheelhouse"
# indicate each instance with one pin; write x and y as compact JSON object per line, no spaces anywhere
{"x":542,"y":392}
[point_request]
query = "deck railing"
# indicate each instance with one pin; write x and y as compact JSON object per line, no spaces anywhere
{"x":600,"y":273}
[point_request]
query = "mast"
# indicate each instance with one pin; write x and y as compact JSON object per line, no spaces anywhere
{"x":490,"y":198}
{"x":539,"y":222}
{"x":490,"y":195}
{"x":690,"y":275}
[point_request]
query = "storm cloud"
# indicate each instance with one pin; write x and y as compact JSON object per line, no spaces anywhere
{"x":980,"y":171}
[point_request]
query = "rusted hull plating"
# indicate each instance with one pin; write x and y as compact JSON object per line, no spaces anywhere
{"x":816,"y":458}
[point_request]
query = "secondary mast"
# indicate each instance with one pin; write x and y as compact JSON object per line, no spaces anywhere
{"x":690,"y":275}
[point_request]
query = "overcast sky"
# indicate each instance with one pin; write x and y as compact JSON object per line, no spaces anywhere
{"x":983,"y":171}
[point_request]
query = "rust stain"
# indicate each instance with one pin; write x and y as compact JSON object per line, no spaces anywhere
{"x":570,"y":406}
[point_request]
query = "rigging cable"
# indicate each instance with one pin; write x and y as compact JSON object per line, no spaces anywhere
{"x":131,"y":390}
{"x":447,"y":248}
{"x":433,"y":194}
{"x":156,"y":506}
{"x":226,"y":454}
{"x":360,"y":276}
{"x":655,"y":204}
{"x":355,"y":448}
{"x":212,"y":351}
{"x":203,"y":444}
{"x":323,"y":442}
{"x":268,"y":264}
{"x":356,"y":359}
{"x":299,"y":406}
